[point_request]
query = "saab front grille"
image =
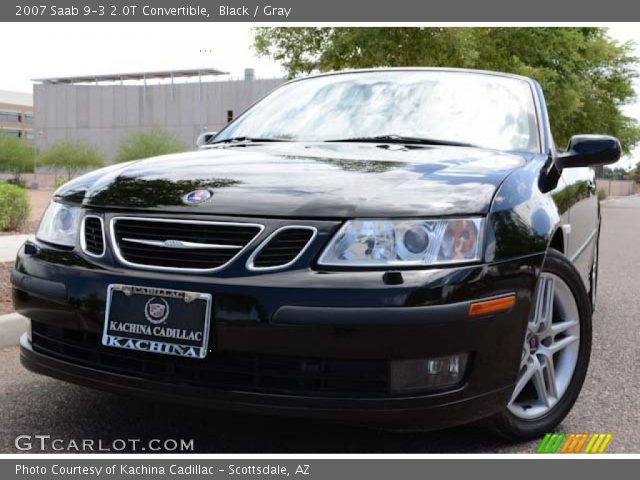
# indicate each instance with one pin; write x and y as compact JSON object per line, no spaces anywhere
{"x":180,"y":244}
{"x":283,"y":247}
{"x":93,"y":236}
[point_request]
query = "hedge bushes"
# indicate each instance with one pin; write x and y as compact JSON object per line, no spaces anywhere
{"x":72,"y":157}
{"x":16,"y":156}
{"x":14,"y":207}
{"x":149,"y":144}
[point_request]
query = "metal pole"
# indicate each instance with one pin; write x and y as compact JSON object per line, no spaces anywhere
{"x":144,"y":98}
{"x":33,"y":152}
{"x":36,"y":141}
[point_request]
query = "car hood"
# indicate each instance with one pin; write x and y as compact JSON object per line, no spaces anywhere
{"x":318,"y":180}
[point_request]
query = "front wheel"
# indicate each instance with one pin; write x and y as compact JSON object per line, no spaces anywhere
{"x":555,"y":354}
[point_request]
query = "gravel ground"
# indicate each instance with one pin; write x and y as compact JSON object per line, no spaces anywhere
{"x":39,"y":200}
{"x":6,"y":306}
{"x":33,"y":404}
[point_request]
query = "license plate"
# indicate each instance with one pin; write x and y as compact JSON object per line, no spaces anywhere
{"x":157,"y":320}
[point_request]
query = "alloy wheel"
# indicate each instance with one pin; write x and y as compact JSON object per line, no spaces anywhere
{"x":550,"y":350}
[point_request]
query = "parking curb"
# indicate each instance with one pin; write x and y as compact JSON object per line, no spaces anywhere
{"x":12,"y":326}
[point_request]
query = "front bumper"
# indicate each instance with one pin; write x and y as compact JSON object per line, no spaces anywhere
{"x":299,"y":342}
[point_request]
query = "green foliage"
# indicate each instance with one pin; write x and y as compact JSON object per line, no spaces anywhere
{"x":616,"y":173}
{"x":59,"y":181}
{"x":16,"y":156}
{"x":633,"y":174}
{"x":14,"y":207}
{"x":72,"y":157}
{"x":586,"y":76}
{"x":602,"y":194}
{"x":148,"y":144}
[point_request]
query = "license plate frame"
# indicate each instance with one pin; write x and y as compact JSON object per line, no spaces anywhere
{"x":142,"y":336}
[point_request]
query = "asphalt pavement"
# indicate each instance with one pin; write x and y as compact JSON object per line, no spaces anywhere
{"x":36,"y":405}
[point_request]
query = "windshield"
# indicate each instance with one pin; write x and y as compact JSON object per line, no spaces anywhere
{"x":461,"y":107}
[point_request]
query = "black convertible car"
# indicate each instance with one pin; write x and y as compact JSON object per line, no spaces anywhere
{"x":401,"y":248}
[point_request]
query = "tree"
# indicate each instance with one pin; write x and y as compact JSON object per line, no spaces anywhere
{"x":586,"y":76}
{"x":148,"y":144}
{"x":72,"y":157}
{"x":635,"y":174}
{"x":16,"y":156}
{"x":617,"y":173}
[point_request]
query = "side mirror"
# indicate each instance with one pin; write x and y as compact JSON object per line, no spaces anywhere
{"x":205,"y":138}
{"x":590,"y":151}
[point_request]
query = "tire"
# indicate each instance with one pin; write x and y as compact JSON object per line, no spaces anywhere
{"x":529,"y":415}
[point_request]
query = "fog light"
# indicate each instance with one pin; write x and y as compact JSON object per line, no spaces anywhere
{"x":30,"y":248}
{"x":428,"y":373}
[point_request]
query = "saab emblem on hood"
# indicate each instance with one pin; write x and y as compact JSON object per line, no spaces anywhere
{"x":197,"y":196}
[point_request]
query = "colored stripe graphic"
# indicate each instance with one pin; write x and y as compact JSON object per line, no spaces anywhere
{"x":553,"y":448}
{"x":543,"y":443}
{"x":580,"y":443}
{"x":570,"y":443}
{"x":598,"y":443}
{"x":574,"y":443}
{"x":593,"y":440}
{"x":551,"y":442}
{"x":606,"y":441}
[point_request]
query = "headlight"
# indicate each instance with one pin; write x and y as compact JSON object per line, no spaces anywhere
{"x":59,"y":225}
{"x":380,"y":243}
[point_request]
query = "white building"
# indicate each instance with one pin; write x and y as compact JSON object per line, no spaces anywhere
{"x":104,"y":109}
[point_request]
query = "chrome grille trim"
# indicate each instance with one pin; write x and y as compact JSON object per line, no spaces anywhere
{"x":181,"y":244}
{"x":83,"y":240}
{"x":250,"y":266}
{"x":122,"y":260}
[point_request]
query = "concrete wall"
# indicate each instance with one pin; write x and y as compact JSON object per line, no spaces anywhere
{"x":103,"y":115}
{"x":616,"y":188}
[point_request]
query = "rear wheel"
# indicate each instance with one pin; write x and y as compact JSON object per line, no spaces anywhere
{"x":555,"y":354}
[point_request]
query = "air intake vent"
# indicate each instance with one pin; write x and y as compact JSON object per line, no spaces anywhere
{"x":93,"y":236}
{"x":187,"y":245}
{"x":252,"y":372}
{"x":282,"y":248}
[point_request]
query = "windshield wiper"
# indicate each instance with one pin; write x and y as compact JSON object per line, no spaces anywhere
{"x":248,"y":140}
{"x":403,"y":139}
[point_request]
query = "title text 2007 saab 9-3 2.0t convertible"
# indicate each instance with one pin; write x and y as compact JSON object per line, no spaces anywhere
{"x":400,"y":248}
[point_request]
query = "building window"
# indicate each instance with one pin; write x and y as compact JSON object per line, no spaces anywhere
{"x":10,"y":132}
{"x":229,"y":115}
{"x":6,"y":116}
{"x":28,"y":118}
{"x":28,"y":134}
